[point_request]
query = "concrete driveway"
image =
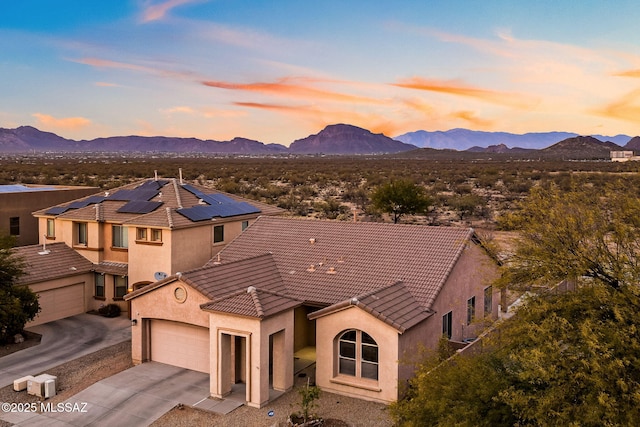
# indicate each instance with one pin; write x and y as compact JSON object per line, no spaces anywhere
{"x":135,"y":397}
{"x":62,"y":341}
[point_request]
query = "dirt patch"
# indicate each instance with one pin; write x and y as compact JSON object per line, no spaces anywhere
{"x":78,"y":374}
{"x":30,"y":339}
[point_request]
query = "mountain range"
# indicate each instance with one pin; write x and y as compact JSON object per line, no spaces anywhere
{"x":338,"y":139}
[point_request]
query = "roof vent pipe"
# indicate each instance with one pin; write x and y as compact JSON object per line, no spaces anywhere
{"x":155,"y":174}
{"x":180,"y":172}
{"x":251,"y":289}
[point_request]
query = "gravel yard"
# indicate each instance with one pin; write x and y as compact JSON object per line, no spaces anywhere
{"x":80,"y":373}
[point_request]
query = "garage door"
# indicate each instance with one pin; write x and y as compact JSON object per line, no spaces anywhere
{"x":180,"y":344}
{"x":60,"y":303}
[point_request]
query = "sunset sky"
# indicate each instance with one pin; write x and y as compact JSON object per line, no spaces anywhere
{"x":276,"y":71}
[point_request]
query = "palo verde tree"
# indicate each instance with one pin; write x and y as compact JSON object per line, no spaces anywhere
{"x":565,"y":358}
{"x":18,"y":304}
{"x":577,"y":233}
{"x":399,"y":198}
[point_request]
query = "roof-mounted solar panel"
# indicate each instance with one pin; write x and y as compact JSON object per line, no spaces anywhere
{"x":135,"y":194}
{"x":57,"y":210}
{"x":139,"y":207}
{"x":217,"y":198}
{"x":196,"y":213}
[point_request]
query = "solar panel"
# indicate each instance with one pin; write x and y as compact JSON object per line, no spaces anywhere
{"x":217,"y":198}
{"x":135,"y":194}
{"x":222,"y":210}
{"x":139,"y":207}
{"x":56,"y":210}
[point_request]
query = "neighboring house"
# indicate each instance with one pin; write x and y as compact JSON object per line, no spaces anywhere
{"x":60,"y":276}
{"x":140,"y":233}
{"x":355,"y":298}
{"x":623,"y":156}
{"x":18,"y":201}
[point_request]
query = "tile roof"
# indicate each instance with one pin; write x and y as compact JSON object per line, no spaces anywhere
{"x":252,"y":302}
{"x":216,"y":281}
{"x":393,"y":305}
{"x":58,"y":261}
{"x":327,"y":262}
{"x":114,"y":268}
{"x":158,"y":203}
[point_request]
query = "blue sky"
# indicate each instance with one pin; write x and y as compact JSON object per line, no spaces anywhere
{"x":276,"y":71}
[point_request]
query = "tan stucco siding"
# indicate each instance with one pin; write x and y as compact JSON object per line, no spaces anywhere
{"x":473,"y":272}
{"x":162,"y":304}
{"x":256,"y":332}
{"x":190,"y":248}
{"x":146,"y":259}
{"x":328,"y":328}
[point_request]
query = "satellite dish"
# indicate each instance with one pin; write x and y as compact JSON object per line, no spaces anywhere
{"x":159,"y":275}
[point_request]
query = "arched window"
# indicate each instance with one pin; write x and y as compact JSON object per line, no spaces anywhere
{"x":357,"y":354}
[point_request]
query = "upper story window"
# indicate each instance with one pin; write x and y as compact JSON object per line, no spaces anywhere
{"x":51,"y":227}
{"x":357,"y":355}
{"x":245,"y":224}
{"x":120,"y":236}
{"x":80,"y":236}
{"x":156,"y":235}
{"x":218,"y":234}
{"x":14,"y":225}
{"x":141,"y":233}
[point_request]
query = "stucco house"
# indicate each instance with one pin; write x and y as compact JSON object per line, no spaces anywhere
{"x":355,"y":298}
{"x":131,"y":236}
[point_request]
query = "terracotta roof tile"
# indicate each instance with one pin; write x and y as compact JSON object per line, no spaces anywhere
{"x":252,"y":302}
{"x":351,"y":259}
{"x":58,"y":261}
{"x":115,"y":268}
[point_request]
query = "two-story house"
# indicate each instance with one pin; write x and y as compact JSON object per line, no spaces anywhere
{"x":140,"y":233}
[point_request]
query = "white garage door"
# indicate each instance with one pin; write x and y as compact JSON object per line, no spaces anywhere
{"x":180,"y":344}
{"x":60,"y":303}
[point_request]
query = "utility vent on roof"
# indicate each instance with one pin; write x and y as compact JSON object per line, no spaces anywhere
{"x":311,"y":268}
{"x":312,"y":240}
{"x":251,"y":289}
{"x":331,"y":270}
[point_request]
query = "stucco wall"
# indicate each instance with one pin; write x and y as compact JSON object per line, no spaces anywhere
{"x":22,"y":204}
{"x":86,"y":278}
{"x":161,"y":304}
{"x":470,"y":276}
{"x":147,"y":258}
{"x":328,"y":328}
{"x":257,"y":334}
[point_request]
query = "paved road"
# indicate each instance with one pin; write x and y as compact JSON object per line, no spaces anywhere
{"x":135,"y":397}
{"x":62,"y":341}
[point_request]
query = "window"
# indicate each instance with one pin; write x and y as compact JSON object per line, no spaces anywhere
{"x":51,"y":227}
{"x":218,"y":234}
{"x":358,"y":355}
{"x":447,"y":323}
{"x":14,"y":225}
{"x":80,"y":233}
{"x":99,"y":287}
{"x":120,"y":286}
{"x":245,"y":224}
{"x":471,"y":309}
{"x":156,"y":235}
{"x":141,"y":234}
{"x":120,"y":236}
{"x":488,"y":300}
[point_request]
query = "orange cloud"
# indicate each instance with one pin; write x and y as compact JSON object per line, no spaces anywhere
{"x":628,"y":73}
{"x":67,"y":123}
{"x":287,"y":87}
{"x":156,"y":12}
{"x":626,"y":108}
{"x":470,"y":116}
{"x":455,"y":88}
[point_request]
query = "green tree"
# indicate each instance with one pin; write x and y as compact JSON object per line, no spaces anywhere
{"x":574,"y":234}
{"x":399,"y":198}
{"x":18,"y":304}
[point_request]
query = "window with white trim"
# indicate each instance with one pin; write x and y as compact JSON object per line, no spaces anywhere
{"x":357,"y":355}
